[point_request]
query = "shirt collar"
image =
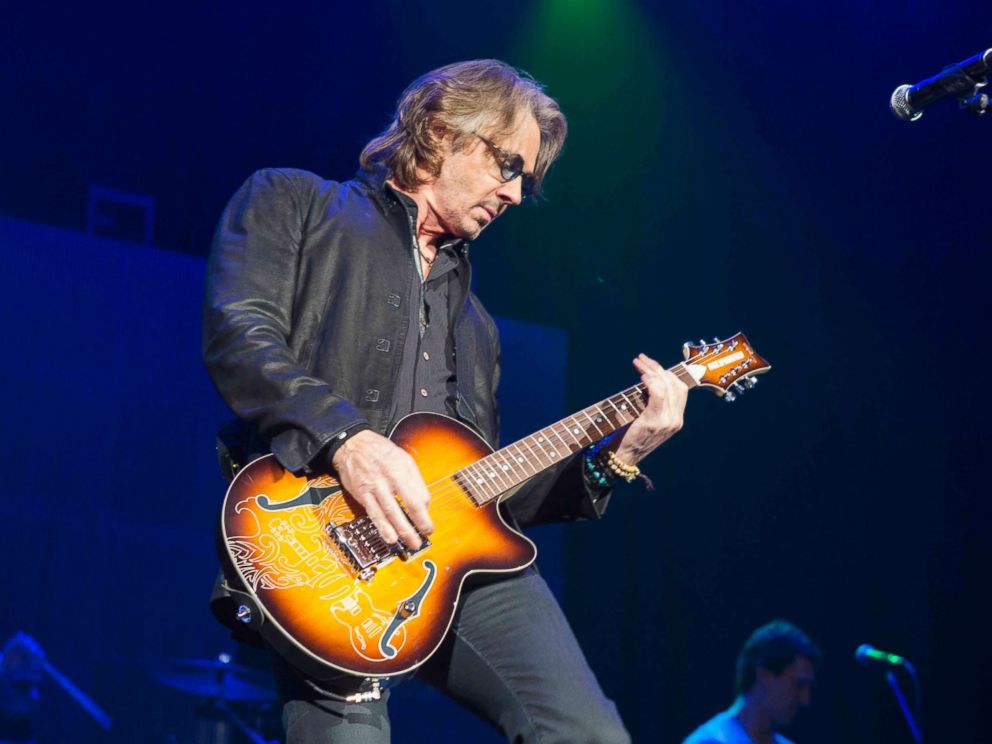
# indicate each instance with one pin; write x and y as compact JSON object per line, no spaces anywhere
{"x":376,"y":177}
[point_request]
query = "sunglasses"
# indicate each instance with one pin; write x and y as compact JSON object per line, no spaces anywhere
{"x":510,"y":166}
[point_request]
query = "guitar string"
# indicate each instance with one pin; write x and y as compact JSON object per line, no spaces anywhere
{"x":447,"y":489}
{"x":492,"y":489}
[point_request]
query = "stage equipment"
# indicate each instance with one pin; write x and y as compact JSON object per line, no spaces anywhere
{"x":963,"y":80}
{"x":217,"y":678}
{"x":220,"y":682}
{"x":22,"y":651}
{"x":867,"y":655}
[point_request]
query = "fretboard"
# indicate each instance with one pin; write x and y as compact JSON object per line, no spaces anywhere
{"x":487,"y":479}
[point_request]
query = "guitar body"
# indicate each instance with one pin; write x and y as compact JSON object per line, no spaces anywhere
{"x":303,"y":549}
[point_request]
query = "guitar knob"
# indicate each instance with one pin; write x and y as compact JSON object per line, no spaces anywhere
{"x":751,"y":381}
{"x":729,"y":396}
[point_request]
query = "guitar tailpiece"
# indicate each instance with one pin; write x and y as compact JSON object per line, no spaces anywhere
{"x":367,"y":696}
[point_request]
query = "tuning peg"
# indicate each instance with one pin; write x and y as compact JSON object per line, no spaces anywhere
{"x":729,"y":396}
{"x":751,"y":382}
{"x":739,"y":388}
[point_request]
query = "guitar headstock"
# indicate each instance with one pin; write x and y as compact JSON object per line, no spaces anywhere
{"x":729,"y":367}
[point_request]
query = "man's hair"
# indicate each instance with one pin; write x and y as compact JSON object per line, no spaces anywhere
{"x":773,"y":647}
{"x":483,"y":96}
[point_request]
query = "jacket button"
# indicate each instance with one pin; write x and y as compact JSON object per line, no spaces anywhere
{"x":372,"y":395}
{"x":382,"y":344}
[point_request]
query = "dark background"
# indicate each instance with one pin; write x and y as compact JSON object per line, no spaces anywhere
{"x":730,"y":167}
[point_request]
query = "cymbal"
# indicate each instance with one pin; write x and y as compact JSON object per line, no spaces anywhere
{"x":217,"y":678}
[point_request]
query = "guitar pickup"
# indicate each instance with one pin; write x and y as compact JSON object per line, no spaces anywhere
{"x":361,"y":543}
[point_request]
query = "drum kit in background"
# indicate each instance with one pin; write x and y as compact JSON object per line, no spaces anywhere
{"x":237,"y":702}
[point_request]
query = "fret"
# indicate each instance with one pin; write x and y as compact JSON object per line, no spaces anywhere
{"x":534,"y":458}
{"x":492,"y":471}
{"x":479,"y":481}
{"x":601,"y":417}
{"x":522,"y":460}
{"x":683,"y":373}
{"x":461,"y":479}
{"x":563,"y":442}
{"x":625,"y":406}
{"x":576,"y":430}
{"x":627,"y":400}
{"x":620,"y":413}
{"x":601,"y":435}
{"x":613,"y":415}
{"x":508,"y":467}
{"x":542,"y":437}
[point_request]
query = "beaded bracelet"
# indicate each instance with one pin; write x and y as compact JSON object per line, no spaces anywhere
{"x":595,"y":466}
{"x":620,"y":468}
{"x":596,"y":471}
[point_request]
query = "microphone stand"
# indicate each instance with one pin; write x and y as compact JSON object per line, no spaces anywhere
{"x":890,"y":677}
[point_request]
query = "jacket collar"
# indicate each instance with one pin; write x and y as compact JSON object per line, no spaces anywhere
{"x":374,"y":180}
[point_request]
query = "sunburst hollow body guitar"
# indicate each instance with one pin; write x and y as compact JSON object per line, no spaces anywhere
{"x":334,"y":598}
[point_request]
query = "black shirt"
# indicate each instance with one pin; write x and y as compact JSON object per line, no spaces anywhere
{"x":427,"y":380}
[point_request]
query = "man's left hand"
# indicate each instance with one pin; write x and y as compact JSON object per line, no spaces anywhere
{"x":661,"y":418}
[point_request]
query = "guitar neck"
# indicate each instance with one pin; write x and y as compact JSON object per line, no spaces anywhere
{"x":487,"y":479}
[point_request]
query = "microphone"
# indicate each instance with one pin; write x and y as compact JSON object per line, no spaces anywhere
{"x":908,"y":101}
{"x":870,"y":656}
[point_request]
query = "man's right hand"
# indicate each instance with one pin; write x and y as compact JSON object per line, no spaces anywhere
{"x":374,"y":471}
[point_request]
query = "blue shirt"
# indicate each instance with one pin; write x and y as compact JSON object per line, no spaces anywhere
{"x":726,"y":728}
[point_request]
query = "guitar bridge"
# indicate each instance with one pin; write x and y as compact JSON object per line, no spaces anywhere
{"x":360,"y":541}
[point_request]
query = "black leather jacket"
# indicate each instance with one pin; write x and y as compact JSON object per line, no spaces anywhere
{"x":306,"y":313}
{"x":305,"y":322}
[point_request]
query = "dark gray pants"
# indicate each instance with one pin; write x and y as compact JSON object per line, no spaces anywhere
{"x":510,"y":657}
